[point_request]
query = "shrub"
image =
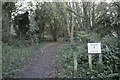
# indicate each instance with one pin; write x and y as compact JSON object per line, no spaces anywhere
{"x":109,"y":69}
{"x":13,"y":58}
{"x":88,"y":37}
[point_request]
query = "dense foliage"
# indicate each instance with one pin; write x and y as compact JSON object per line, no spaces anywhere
{"x":7,"y":9}
{"x":21,"y":24}
{"x":110,"y":51}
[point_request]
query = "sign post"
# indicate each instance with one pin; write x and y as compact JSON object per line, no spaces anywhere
{"x":75,"y":63}
{"x":90,"y":61}
{"x":100,"y":59}
{"x":94,"y":48}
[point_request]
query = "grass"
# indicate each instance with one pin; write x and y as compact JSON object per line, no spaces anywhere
{"x":0,"y":59}
{"x":14,"y":57}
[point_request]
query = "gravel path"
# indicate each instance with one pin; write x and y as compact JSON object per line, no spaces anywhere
{"x":43,"y":66}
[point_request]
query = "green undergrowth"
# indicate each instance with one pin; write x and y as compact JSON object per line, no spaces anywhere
{"x":108,"y":71}
{"x":15,"y":56}
{"x":0,"y":59}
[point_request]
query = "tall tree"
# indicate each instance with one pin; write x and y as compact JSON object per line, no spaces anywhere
{"x":40,"y":18}
{"x":7,"y":8}
{"x":86,"y":21}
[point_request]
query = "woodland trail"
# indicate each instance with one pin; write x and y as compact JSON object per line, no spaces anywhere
{"x":44,"y":64}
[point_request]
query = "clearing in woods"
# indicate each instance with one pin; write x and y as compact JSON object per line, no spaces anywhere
{"x":44,"y":64}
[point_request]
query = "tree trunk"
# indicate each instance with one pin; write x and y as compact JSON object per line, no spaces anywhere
{"x":70,"y":28}
{"x":6,"y":26}
{"x":93,"y":13}
{"x":0,"y":21}
{"x":86,"y":21}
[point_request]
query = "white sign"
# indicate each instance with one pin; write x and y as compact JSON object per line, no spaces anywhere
{"x":94,"y":47}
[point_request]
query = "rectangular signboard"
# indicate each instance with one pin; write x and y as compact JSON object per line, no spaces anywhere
{"x":94,"y":47}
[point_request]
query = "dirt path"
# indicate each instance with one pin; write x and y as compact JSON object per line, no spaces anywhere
{"x":43,"y":66}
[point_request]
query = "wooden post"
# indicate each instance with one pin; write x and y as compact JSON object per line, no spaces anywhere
{"x":75,"y":64}
{"x":90,"y":61}
{"x":100,"y":59}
